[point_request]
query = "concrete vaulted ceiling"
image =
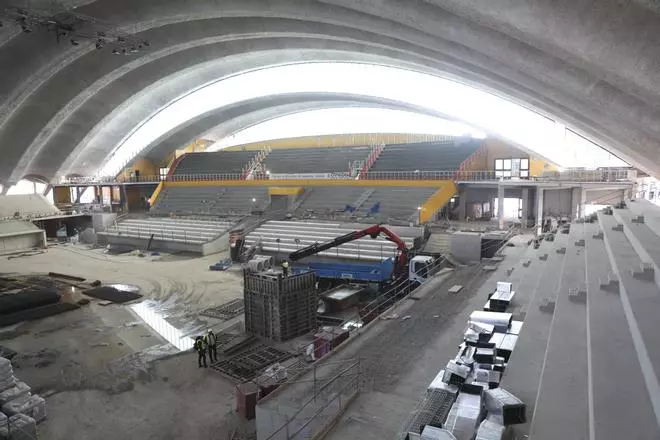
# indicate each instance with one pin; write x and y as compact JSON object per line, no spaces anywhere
{"x":591,"y":64}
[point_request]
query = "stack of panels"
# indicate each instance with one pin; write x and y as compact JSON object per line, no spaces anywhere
{"x":280,"y":308}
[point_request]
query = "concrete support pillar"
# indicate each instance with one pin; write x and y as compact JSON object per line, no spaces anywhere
{"x":524,"y":212}
{"x":500,"y":205}
{"x":462,"y":204}
{"x":576,"y":203}
{"x":539,"y":210}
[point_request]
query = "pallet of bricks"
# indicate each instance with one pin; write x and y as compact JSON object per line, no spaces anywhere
{"x":21,"y":410}
{"x":277,"y":307}
{"x":464,"y":401}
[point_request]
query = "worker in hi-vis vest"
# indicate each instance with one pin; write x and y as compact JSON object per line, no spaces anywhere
{"x":200,"y":348}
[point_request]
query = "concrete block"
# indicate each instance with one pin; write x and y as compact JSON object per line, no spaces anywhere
{"x":580,"y":242}
{"x":577,"y":295}
{"x":646,"y":272}
{"x":543,"y":257}
{"x":638,"y":219}
{"x":455,"y":288}
{"x":561,"y":250}
{"x":610,"y":284}
{"x":618,"y":227}
{"x":547,"y":306}
{"x":598,"y":236}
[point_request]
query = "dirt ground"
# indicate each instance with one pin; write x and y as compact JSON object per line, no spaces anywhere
{"x":96,"y":366}
{"x":104,"y":372}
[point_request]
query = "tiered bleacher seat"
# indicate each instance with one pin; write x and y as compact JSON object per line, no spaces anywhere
{"x":218,"y":162}
{"x":169,"y":230}
{"x":313,"y":160}
{"x":295,"y":235}
{"x":424,"y":156}
{"x":327,"y":200}
{"x":394,"y":203}
{"x":210,"y":200}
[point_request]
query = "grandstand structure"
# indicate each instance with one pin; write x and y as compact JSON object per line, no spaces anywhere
{"x":206,"y":195}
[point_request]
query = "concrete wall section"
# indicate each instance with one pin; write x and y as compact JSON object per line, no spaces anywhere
{"x":21,"y":241}
{"x":604,"y":196}
{"x":558,"y":202}
{"x":466,"y":246}
{"x":220,"y":244}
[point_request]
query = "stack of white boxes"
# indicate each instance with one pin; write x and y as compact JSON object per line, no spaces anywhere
{"x":21,"y":410}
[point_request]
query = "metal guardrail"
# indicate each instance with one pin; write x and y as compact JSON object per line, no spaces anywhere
{"x":609,"y":175}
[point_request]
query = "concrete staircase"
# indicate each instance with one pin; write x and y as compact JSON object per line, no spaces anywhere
{"x":438,"y":243}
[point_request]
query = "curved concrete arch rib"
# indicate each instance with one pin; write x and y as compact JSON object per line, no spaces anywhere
{"x":425,"y":93}
{"x":91,"y":137}
{"x":223,"y":122}
{"x":601,"y":80}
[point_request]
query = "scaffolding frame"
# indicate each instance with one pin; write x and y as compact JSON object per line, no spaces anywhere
{"x":277,"y":307}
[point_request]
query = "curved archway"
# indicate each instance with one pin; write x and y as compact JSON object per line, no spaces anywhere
{"x":440,"y":96}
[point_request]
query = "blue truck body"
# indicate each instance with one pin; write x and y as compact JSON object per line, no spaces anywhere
{"x":364,"y":272}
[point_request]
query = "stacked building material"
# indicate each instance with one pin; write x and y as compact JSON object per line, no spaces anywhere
{"x":433,"y":433}
{"x":279,"y":308}
{"x":504,"y":407}
{"x":464,"y":416}
{"x":21,"y":410}
{"x":472,"y":379}
{"x":490,"y":430}
{"x":328,"y":339}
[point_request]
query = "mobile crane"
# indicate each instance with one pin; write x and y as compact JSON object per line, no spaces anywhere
{"x":415,"y":269}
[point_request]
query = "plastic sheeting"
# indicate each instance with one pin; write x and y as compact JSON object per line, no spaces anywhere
{"x":33,"y":406}
{"x":20,"y":391}
{"x":490,"y":430}
{"x":463,"y":416}
{"x":433,"y":433}
{"x":500,"y":321}
{"x":20,"y":427}
{"x":7,"y":379}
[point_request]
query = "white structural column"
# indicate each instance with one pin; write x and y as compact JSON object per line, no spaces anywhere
{"x":462,"y":204}
{"x":576,"y":203}
{"x":524,"y":212}
{"x":500,"y":205}
{"x":539,"y":210}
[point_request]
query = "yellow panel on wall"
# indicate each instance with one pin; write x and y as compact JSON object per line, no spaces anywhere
{"x":437,"y":201}
{"x":539,"y":166}
{"x":285,"y":191}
